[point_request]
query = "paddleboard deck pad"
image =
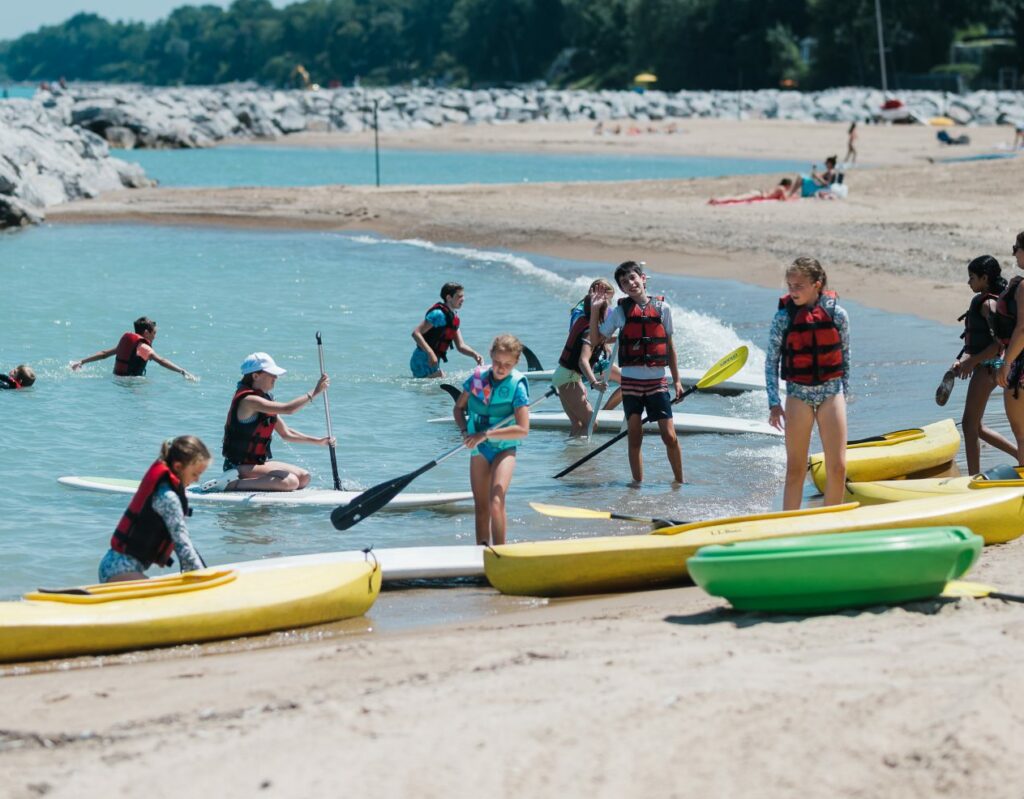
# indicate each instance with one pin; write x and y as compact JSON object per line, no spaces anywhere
{"x":689,"y":377}
{"x":611,"y":422}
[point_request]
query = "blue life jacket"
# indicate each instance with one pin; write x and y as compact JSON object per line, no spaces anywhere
{"x":490,"y":403}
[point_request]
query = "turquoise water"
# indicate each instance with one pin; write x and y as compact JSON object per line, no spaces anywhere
{"x":220,"y":294}
{"x":292,"y":166}
{"x":19,"y":91}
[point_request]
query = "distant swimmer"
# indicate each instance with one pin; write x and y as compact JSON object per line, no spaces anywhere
{"x":134,"y":352}
{"x":253,"y":418}
{"x":438,"y":332}
{"x":153,"y":527}
{"x":21,"y":376}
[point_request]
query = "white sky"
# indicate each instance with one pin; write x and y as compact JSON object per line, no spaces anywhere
{"x":23,"y":16}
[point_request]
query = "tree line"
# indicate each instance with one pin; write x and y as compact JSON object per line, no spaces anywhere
{"x":688,"y":44}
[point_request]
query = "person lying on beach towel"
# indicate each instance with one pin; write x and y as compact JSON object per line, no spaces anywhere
{"x":944,"y":138}
{"x":783,"y":191}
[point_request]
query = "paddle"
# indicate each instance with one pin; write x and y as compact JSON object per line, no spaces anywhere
{"x":961,"y":588}
{"x":724,"y":369}
{"x":564,"y":512}
{"x":600,"y":397}
{"x":452,"y":391}
{"x":327,"y":412}
{"x":532,"y":361}
{"x":375,"y":498}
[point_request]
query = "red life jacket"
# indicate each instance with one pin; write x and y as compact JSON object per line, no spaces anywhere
{"x":643,"y":340}
{"x":1006,"y":311}
{"x":247,"y":442}
{"x":570,"y":357}
{"x":141,"y":532}
{"x":127,"y":362}
{"x":976,"y":335}
{"x":812,"y":351}
{"x":439,"y":339}
{"x":6,"y":381}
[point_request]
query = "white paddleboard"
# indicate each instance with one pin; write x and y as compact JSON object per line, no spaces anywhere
{"x":611,"y":422}
{"x":399,"y":563}
{"x":690,"y":377}
{"x":312,"y":497}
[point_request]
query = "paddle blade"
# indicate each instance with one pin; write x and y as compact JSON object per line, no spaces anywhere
{"x":725,"y":368}
{"x":564,"y":512}
{"x":451,"y":391}
{"x":532,"y":361}
{"x":369,"y":502}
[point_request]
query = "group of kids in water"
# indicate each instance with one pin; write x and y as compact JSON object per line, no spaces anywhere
{"x":808,"y":348}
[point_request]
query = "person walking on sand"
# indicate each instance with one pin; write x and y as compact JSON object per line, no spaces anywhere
{"x":21,"y":376}
{"x":644,"y":324}
{"x":253,"y":418}
{"x":809,"y":345}
{"x":134,"y":352}
{"x":153,"y":527}
{"x":438,"y":331}
{"x":1009,"y":330}
{"x":851,"y":145}
{"x":979,"y":358}
{"x":489,"y":396}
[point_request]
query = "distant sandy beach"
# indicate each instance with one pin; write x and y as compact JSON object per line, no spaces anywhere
{"x":657,"y":694}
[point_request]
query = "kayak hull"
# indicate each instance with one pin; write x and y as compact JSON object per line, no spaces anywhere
{"x":638,"y":562}
{"x":205,"y":605}
{"x":825,"y":573}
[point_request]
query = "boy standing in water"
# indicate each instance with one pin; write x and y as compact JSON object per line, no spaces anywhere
{"x":645,"y":349}
{"x":438,"y":331}
{"x":134,"y":352}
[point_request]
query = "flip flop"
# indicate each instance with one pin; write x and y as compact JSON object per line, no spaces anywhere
{"x":945,"y":387}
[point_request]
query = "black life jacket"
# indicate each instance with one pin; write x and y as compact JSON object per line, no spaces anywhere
{"x":570,"y":357}
{"x":6,"y":381}
{"x":977,"y":335}
{"x":142,"y":532}
{"x":127,"y":362}
{"x":812,"y":351}
{"x":1006,"y":311}
{"x":247,"y":442}
{"x":643,"y":340}
{"x":439,"y":339}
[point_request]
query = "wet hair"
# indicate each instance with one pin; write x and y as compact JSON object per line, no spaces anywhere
{"x":988,"y":267}
{"x":506,"y":342}
{"x":144,"y":325}
{"x":24,"y":374}
{"x":809,"y":268}
{"x":599,"y":283}
{"x":786,"y":182}
{"x":625,"y":268}
{"x":448,"y":289}
{"x":185,"y":450}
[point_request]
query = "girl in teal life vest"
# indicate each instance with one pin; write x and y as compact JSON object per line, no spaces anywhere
{"x":488,"y":396}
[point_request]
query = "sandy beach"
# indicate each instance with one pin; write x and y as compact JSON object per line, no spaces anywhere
{"x":658,"y":694}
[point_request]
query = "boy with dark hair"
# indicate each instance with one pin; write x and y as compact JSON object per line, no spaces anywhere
{"x":645,"y":349}
{"x":438,"y":331}
{"x":133,"y":353}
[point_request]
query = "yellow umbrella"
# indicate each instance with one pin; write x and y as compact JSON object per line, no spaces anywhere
{"x":645,"y":77}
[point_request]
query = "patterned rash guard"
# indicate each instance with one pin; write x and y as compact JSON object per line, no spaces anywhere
{"x":812,"y":395}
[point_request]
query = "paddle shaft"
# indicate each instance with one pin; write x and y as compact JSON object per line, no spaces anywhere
{"x":327,"y":412}
{"x":600,"y":397}
{"x":616,"y":437}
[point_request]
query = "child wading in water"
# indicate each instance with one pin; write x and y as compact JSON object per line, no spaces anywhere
{"x":979,"y":358}
{"x":21,"y":376}
{"x":645,"y":349}
{"x":809,"y":345}
{"x":488,"y":396}
{"x":438,"y":331}
{"x":153,"y":527}
{"x":134,"y":352}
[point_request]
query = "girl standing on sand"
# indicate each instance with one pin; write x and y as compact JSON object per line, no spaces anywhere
{"x":851,"y":145}
{"x":809,"y":345}
{"x":1009,"y":329}
{"x":979,"y":358}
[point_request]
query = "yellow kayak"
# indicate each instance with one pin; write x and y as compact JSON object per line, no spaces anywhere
{"x":195,"y":606}
{"x":636,"y":562}
{"x":876,"y":491}
{"x":895,"y":454}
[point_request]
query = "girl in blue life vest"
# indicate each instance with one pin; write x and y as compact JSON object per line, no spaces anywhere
{"x":979,"y":358}
{"x":488,"y":396}
{"x":153,"y":527}
{"x":809,"y":345}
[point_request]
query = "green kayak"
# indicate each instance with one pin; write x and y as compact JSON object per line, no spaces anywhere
{"x":822,"y":573}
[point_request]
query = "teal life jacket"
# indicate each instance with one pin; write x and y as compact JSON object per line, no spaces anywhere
{"x":490,"y":403}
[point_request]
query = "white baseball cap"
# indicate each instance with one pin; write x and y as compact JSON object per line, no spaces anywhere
{"x":261,"y":362}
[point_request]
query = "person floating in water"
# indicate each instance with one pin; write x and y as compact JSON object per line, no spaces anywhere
{"x":134,"y":352}
{"x":439,"y":331}
{"x":21,"y":376}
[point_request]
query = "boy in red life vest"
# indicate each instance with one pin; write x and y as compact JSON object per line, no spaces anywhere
{"x":645,"y":350}
{"x":21,"y":376}
{"x":134,"y":352}
{"x":809,"y":345}
{"x":439,"y":331}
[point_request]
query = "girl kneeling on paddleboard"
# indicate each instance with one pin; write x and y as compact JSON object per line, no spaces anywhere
{"x":489,"y":396}
{"x":809,"y":345}
{"x":253,"y":418}
{"x":153,"y":527}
